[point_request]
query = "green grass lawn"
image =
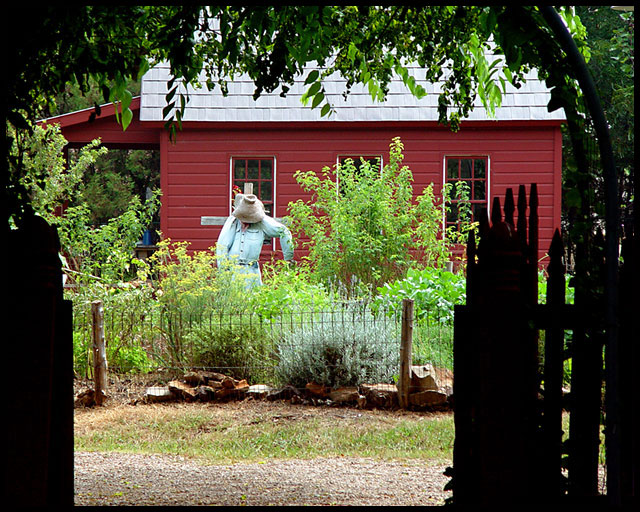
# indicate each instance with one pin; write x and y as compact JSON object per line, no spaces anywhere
{"x":254,"y":431}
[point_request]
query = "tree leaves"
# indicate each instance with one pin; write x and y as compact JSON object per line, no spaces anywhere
{"x":274,"y":45}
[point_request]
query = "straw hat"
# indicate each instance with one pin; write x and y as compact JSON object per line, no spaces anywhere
{"x":248,"y":208}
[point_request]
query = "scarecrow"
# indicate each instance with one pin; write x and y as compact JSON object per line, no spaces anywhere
{"x":243,"y":234}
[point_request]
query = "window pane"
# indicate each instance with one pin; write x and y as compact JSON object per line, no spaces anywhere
{"x":474,"y":173}
{"x":452,"y":168}
{"x":374,"y":162}
{"x":479,"y":209}
{"x":239,"y":169}
{"x":266,"y":192}
{"x":259,"y":173}
{"x":266,"y":169}
{"x":452,"y":214}
{"x":465,"y":168}
{"x":253,"y":169}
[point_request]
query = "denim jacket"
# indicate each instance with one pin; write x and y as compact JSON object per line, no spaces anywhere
{"x":245,"y":246}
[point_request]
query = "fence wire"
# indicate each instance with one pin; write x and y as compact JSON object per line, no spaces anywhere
{"x":348,"y":343}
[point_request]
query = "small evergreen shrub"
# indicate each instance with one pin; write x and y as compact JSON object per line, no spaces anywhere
{"x":347,"y":347}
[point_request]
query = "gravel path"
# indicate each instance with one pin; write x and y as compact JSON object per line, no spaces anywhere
{"x":123,"y":479}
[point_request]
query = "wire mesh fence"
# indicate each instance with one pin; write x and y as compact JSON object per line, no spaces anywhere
{"x":346,"y":343}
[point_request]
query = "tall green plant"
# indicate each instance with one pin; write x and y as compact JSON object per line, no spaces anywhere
{"x":434,"y":291}
{"x":191,"y":282}
{"x":90,"y":252}
{"x":363,"y":228}
{"x":104,"y":252}
{"x":48,"y":178}
{"x":190,"y":288}
{"x":287,"y":288}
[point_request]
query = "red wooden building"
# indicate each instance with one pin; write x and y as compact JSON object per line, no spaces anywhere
{"x":233,"y":139}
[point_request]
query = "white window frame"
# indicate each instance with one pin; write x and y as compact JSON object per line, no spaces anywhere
{"x":255,"y":156}
{"x":444,"y":179}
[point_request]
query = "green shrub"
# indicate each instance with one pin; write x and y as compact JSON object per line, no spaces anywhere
{"x":241,"y":350}
{"x":81,"y":354}
{"x":287,"y":288}
{"x":434,"y":291}
{"x":190,"y":282}
{"x":346,"y":347}
{"x":128,"y":357}
{"x":127,"y":309}
{"x":362,"y":227}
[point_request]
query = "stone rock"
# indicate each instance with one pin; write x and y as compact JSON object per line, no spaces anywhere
{"x":241,"y":385}
{"x":85,"y":399}
{"x":158,"y":394}
{"x":380,"y":395}
{"x":423,"y":378}
{"x":431,"y":378}
{"x":231,"y":388}
{"x":286,"y":393}
{"x":344,"y":394}
{"x":317,"y":390}
{"x":209,"y":376}
{"x":258,"y":391}
{"x":194,"y":379}
{"x":205,"y":393}
{"x":197,"y":378}
{"x":182,"y":390}
{"x":428,"y":398}
{"x":228,"y":383}
{"x":445,"y":379}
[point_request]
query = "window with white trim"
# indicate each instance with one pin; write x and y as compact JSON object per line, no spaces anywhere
{"x":474,"y":171}
{"x":258,"y":171}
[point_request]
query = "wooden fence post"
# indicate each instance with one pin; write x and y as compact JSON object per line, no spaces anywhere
{"x":405,"y":353}
{"x":99,"y":351}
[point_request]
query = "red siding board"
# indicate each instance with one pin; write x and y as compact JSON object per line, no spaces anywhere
{"x":502,"y":180}
{"x":198,"y":166}
{"x":205,"y":201}
{"x":197,"y":189}
{"x":195,"y":168}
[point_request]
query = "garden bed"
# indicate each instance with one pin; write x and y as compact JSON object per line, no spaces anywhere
{"x":428,"y":392}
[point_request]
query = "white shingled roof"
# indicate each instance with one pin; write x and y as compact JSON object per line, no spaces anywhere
{"x":524,"y":104}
